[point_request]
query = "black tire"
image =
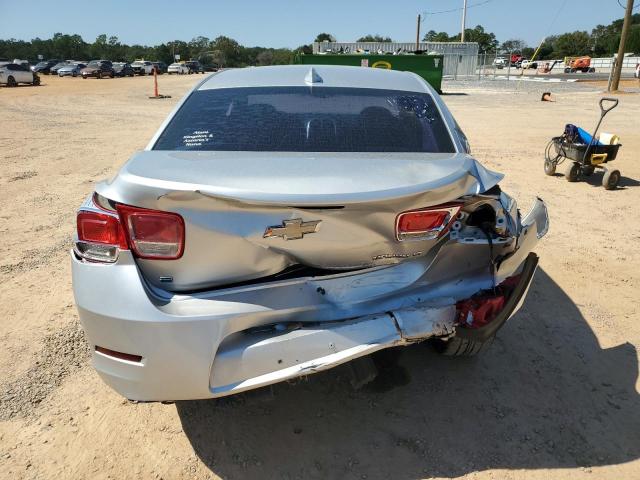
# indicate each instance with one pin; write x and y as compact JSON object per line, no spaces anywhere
{"x":549,"y":168}
{"x":588,"y":170}
{"x":99,"y":75}
{"x":11,"y":82}
{"x":572,"y":172}
{"x":461,"y":347}
{"x":36,"y":81}
{"x":567,"y":70}
{"x":610,"y":179}
{"x":585,"y":70}
{"x":573,"y":70}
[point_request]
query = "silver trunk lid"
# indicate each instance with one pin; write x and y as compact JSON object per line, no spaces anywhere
{"x":347,"y":203}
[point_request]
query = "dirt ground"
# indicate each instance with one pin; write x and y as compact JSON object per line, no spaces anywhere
{"x":555,"y":397}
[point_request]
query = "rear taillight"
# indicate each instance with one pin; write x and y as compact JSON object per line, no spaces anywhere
{"x":105,"y":228}
{"x":425,"y":224}
{"x":153,"y":234}
{"x":100,"y":236}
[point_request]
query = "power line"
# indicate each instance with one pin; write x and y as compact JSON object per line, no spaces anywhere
{"x":425,"y":13}
{"x":624,"y":8}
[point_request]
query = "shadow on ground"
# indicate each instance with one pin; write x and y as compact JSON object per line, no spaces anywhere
{"x":544,"y":396}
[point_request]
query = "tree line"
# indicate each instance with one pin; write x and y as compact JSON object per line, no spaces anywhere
{"x":222,"y":51}
{"x":226,"y":52}
{"x":602,"y":41}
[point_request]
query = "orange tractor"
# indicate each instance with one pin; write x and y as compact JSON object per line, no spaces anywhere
{"x":578,"y":64}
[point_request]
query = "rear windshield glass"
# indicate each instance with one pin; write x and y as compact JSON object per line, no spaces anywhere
{"x":303,"y":119}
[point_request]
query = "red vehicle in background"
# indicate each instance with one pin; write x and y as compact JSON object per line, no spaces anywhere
{"x":516,"y":60}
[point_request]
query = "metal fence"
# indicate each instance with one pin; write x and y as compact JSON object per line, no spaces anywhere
{"x":605,"y":63}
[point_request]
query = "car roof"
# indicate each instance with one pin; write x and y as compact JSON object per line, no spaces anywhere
{"x":328,"y":76}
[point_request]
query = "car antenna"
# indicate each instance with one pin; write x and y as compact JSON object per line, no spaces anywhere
{"x":312,"y":77}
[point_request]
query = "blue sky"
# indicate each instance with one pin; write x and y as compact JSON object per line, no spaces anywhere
{"x":290,"y":23}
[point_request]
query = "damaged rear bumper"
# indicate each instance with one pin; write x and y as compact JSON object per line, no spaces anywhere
{"x":227,"y":341}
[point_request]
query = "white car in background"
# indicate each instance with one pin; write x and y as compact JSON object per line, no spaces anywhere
{"x":12,"y":74}
{"x":142,"y":67}
{"x":179,"y":68}
{"x":500,"y":62}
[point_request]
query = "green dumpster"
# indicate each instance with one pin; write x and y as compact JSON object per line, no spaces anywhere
{"x":428,"y":67}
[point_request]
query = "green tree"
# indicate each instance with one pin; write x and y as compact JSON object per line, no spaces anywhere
{"x":486,"y":40}
{"x":374,"y":38}
{"x":321,"y":37}
{"x":513,"y":45}
{"x":433,"y":36}
{"x":228,"y":51}
{"x":572,"y":44}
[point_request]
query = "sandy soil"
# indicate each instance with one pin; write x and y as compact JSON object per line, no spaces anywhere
{"x":555,"y":397}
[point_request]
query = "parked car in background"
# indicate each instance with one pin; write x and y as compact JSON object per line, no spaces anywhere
{"x":160,"y":67}
{"x":525,"y":64}
{"x":179,"y":68}
{"x":142,"y":67}
{"x":71,"y":70}
{"x":194,"y":66}
{"x":44,"y":67}
{"x":499,"y":62}
{"x":98,"y":69}
{"x":123,"y":69}
{"x":12,"y":74}
{"x":54,"y":70}
{"x":270,"y":230}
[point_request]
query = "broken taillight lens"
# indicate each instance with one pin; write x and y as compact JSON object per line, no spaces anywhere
{"x":100,"y":236}
{"x":479,"y":311}
{"x":485,"y":306}
{"x":153,"y":234}
{"x":425,"y":224}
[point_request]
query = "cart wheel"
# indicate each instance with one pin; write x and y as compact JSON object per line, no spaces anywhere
{"x":549,"y":167}
{"x":588,"y":170}
{"x":611,"y":179}
{"x":572,"y":171}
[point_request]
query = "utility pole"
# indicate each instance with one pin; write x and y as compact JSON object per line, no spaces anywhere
{"x":418,"y":33}
{"x":464,"y":20}
{"x":623,"y":38}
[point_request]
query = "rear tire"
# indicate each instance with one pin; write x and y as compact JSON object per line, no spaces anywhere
{"x":610,"y":179}
{"x":461,"y":347}
{"x":572,"y":172}
{"x":36,"y":81}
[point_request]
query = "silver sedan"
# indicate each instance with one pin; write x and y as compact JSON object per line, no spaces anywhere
{"x":71,"y":70}
{"x":285,"y":220}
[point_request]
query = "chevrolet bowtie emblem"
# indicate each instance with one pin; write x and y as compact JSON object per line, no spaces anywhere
{"x":292,"y":229}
